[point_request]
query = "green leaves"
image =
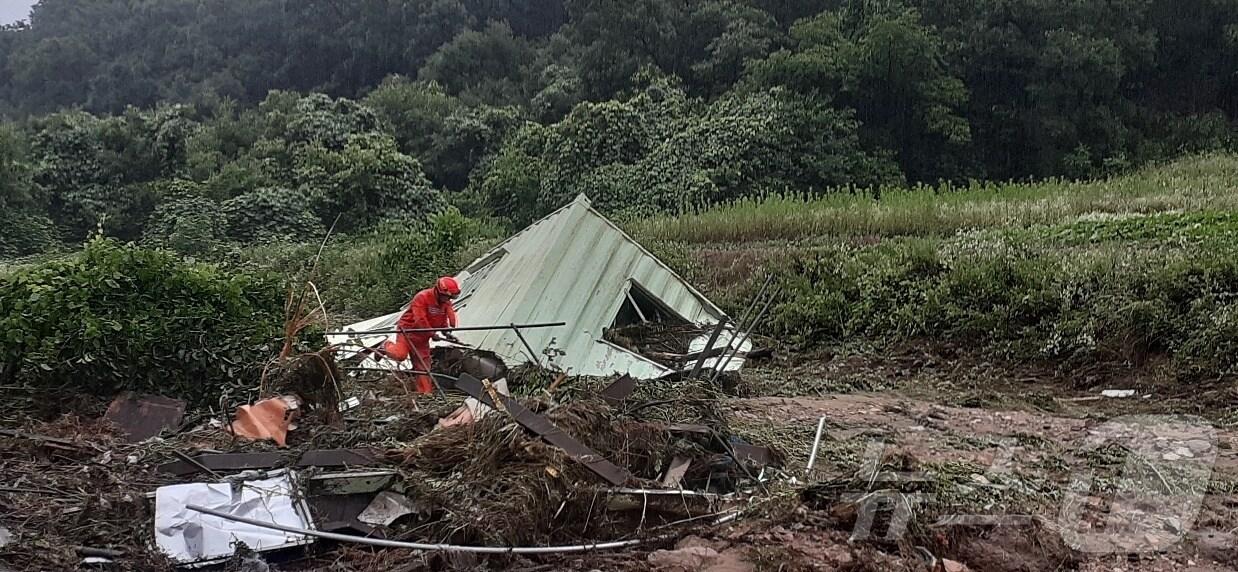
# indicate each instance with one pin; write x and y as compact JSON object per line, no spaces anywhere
{"x":661,"y":151}
{"x":119,"y":317}
{"x":271,"y":214}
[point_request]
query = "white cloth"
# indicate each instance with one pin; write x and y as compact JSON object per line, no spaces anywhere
{"x":191,"y":537}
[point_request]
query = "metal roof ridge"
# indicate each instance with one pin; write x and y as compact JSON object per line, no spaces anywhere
{"x":582,"y":200}
{"x":526,"y":229}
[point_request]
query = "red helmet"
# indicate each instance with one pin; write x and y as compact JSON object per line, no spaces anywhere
{"x":447,"y":286}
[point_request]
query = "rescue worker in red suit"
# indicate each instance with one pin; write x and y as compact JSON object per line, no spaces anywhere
{"x":430,"y":308}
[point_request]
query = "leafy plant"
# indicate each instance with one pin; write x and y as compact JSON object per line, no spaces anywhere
{"x":120,"y":317}
{"x":271,"y":213}
{"x":188,"y":224}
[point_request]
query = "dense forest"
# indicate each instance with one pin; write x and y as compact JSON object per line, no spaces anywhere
{"x":182,"y":122}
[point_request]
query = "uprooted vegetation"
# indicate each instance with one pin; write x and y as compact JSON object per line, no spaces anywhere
{"x":488,"y":483}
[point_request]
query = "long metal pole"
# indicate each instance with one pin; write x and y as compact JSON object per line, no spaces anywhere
{"x":738,"y":326}
{"x":532,"y":354}
{"x":816,"y":443}
{"x":741,"y":324}
{"x":713,"y":338}
{"x":420,"y":546}
{"x":747,"y":333}
{"x":456,"y":329}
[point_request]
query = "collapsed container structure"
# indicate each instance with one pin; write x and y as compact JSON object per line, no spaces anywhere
{"x":577,"y":267}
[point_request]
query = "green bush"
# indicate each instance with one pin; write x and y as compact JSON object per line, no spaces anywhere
{"x":375,"y":272}
{"x":188,"y":224}
{"x":22,"y":234}
{"x":121,"y":317}
{"x":266,"y":214}
{"x":1020,"y":300}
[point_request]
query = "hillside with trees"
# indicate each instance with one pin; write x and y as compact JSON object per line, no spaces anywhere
{"x":126,"y":114}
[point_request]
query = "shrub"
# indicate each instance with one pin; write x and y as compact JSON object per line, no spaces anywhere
{"x":22,"y":234}
{"x":121,"y":317}
{"x":1022,"y":301}
{"x":377,"y":271}
{"x":271,"y":213}
{"x":189,"y":225}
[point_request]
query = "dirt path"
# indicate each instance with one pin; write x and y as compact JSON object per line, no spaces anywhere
{"x":1017,"y":461}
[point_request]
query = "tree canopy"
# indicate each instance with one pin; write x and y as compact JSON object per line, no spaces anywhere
{"x":375,"y":109}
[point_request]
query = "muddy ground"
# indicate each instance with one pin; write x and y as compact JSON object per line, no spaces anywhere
{"x":927,"y":459}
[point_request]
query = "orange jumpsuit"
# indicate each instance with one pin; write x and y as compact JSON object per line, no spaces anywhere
{"x":425,"y":311}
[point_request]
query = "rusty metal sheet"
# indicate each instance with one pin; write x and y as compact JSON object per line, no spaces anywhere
{"x":619,"y":390}
{"x":339,"y":458}
{"x":225,"y":462}
{"x":141,"y":417}
{"x":614,"y":474}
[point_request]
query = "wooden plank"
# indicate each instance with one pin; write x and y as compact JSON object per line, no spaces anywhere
{"x":619,"y":390}
{"x":674,"y":474}
{"x":613,"y":474}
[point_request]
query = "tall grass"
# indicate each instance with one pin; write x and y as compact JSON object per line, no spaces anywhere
{"x":1201,"y":182}
{"x":1109,"y":302}
{"x":1136,"y":269}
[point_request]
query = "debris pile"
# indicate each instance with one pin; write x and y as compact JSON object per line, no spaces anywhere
{"x":580,"y":463}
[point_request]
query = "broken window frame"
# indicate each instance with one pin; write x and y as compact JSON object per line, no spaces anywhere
{"x":651,"y":302}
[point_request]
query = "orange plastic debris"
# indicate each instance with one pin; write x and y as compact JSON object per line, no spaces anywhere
{"x":266,"y":419}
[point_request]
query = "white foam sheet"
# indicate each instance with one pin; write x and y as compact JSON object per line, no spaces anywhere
{"x":191,"y":537}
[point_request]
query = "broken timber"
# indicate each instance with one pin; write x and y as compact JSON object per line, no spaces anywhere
{"x":546,"y":430}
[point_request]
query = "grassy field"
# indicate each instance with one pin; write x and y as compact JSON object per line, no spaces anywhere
{"x":1199,"y":183}
{"x":1136,"y":270}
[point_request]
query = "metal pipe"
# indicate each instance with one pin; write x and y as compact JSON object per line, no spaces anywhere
{"x":745,"y":337}
{"x":713,"y":338}
{"x":532,"y":354}
{"x":456,"y":329}
{"x":665,"y":492}
{"x":740,"y":325}
{"x":420,"y":546}
{"x":816,"y":442}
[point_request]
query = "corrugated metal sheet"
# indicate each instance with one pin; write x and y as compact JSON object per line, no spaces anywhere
{"x":573,"y":266}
